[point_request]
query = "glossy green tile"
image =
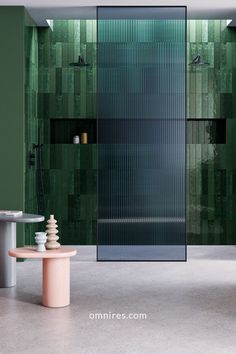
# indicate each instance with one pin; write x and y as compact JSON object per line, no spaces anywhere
{"x":68,"y":92}
{"x":226,"y":110}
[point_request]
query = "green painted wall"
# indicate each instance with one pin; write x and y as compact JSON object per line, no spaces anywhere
{"x":12,"y":156}
{"x":211,"y":166}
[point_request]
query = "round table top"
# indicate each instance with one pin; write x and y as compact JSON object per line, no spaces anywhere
{"x":24,"y":218}
{"x":30,"y":252}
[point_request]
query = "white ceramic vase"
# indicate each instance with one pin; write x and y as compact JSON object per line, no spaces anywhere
{"x":40,"y":240}
{"x":52,"y":234}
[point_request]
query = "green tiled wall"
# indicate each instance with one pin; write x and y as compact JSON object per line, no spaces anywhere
{"x":68,"y":171}
{"x":211,"y":189}
{"x":31,"y":121}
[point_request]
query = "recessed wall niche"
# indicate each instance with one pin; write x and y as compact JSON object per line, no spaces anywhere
{"x":62,"y":131}
{"x":206,"y":131}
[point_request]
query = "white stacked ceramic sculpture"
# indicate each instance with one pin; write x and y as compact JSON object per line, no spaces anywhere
{"x":52,"y":234}
{"x":40,"y":239}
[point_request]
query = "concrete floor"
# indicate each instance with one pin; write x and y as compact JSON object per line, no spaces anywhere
{"x":190,"y":307}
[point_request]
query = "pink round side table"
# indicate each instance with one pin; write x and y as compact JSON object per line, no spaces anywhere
{"x":56,"y":272}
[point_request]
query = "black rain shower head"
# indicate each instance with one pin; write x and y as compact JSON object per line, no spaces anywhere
{"x":80,"y":62}
{"x":197,"y":61}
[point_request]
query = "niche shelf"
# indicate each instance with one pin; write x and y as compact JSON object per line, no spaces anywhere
{"x":62,"y":130}
{"x":206,"y":130}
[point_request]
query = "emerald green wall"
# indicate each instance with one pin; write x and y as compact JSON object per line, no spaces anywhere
{"x":211,"y":191}
{"x":68,"y":94}
{"x":69,"y":171}
{"x":12,"y":123}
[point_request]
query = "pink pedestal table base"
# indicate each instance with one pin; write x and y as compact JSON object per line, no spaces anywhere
{"x":56,"y":273}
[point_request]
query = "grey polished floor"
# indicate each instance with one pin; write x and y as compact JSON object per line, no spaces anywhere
{"x":190,"y":307}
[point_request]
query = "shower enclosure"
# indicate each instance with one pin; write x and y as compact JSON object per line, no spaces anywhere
{"x":141,"y":63}
{"x":119,"y":77}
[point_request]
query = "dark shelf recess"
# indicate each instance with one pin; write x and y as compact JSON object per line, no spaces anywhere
{"x":63,"y":130}
{"x":206,"y":130}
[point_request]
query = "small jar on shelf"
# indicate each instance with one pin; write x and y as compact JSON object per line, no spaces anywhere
{"x":76,"y":139}
{"x":84,"y":138}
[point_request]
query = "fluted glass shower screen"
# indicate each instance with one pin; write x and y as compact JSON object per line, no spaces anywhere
{"x":141,"y":99}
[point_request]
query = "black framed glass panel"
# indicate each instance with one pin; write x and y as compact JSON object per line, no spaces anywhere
{"x":141,"y":98}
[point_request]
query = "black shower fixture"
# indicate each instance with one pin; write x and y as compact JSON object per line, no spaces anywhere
{"x":197,"y":61}
{"x":80,"y":62}
{"x":37,"y":146}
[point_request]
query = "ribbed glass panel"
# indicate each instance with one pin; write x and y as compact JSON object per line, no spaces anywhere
{"x":141,"y":133}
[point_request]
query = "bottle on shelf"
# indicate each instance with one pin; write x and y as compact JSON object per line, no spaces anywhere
{"x":84,"y":138}
{"x":76,"y":139}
